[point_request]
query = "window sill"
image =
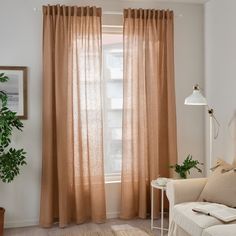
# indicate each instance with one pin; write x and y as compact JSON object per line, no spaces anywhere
{"x":113,"y":182}
{"x":112,"y":178}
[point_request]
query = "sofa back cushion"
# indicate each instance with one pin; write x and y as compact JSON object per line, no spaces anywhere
{"x":221,"y":185}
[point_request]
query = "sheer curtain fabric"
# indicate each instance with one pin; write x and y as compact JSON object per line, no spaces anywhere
{"x":72,"y":171}
{"x":149,"y":115}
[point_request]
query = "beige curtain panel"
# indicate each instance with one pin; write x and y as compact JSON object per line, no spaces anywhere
{"x":149,"y":116}
{"x":72,"y":171}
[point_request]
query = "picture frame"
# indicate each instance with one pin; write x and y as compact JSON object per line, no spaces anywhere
{"x":16,"y":89}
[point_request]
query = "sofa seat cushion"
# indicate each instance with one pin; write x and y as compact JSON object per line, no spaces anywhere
{"x":220,"y":230}
{"x":192,"y":222}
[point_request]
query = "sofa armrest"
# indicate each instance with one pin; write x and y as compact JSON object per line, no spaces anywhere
{"x":184,"y":190}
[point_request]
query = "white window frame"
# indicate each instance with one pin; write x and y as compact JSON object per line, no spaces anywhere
{"x":112,"y":29}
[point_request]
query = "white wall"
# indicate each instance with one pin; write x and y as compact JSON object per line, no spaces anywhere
{"x":20,"y":44}
{"x":220,"y":69}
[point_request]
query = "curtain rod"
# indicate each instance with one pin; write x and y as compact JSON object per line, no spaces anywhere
{"x":121,"y":13}
{"x":36,"y":9}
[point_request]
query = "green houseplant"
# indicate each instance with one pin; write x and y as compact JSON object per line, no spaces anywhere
{"x":188,"y":164}
{"x":11,"y":159}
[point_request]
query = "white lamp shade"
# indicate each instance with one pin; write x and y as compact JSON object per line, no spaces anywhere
{"x":196,"y":98}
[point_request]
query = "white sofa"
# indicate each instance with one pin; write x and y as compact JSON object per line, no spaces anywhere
{"x":183,"y":196}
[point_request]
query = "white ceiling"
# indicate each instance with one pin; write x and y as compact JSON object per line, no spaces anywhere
{"x":183,"y":1}
{"x":187,"y":1}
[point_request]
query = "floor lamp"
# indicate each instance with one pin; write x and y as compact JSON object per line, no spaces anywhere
{"x":197,"y":99}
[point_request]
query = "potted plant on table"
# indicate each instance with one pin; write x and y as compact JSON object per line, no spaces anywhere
{"x":184,"y":169}
{"x":10,"y":158}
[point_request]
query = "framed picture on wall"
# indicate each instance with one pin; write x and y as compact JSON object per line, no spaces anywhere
{"x":16,"y":89}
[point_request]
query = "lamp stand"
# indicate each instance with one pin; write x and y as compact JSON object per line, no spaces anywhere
{"x":196,"y":98}
{"x":210,"y":112}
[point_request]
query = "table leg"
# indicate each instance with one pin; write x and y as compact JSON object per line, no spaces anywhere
{"x":162,"y":211}
{"x":152,"y":209}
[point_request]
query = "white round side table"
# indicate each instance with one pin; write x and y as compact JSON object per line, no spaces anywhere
{"x":163,"y":189}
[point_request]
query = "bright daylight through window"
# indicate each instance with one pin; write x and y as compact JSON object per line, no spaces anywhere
{"x":113,"y":102}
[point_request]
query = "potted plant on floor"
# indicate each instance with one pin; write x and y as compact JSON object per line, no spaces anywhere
{"x":184,"y":169}
{"x":10,"y":158}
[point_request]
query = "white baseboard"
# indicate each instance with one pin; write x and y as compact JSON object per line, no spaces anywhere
{"x":23,"y":223}
{"x":112,"y":215}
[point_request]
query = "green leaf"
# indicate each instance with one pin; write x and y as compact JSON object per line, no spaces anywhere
{"x":10,"y":158}
{"x":187,"y":165}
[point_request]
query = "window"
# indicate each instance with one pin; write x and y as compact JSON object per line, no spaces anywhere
{"x":113,"y":103}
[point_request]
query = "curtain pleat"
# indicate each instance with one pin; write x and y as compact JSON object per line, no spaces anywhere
{"x":72,"y":170}
{"x":149,"y":115}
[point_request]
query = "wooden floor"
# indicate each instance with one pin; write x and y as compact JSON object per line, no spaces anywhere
{"x":84,"y":229}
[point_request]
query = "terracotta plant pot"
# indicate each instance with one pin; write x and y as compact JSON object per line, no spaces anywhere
{"x":2,"y":211}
